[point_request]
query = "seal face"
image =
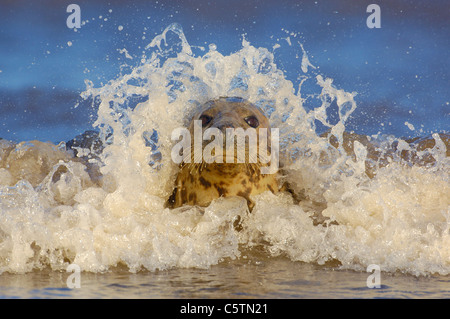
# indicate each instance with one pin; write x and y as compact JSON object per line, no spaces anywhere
{"x":200,"y":180}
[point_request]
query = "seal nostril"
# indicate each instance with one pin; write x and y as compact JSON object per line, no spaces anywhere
{"x":225,"y":126}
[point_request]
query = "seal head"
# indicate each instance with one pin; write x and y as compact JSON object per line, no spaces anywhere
{"x":220,"y":169}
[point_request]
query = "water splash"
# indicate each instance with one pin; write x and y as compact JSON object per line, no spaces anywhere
{"x":362,"y":201}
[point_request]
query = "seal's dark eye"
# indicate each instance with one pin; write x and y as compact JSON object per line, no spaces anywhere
{"x":205,"y":119}
{"x":252,"y":121}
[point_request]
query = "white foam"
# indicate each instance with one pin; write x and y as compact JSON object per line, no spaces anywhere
{"x":399,"y":219}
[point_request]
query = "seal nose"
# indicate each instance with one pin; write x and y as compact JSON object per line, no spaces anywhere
{"x":224,"y":126}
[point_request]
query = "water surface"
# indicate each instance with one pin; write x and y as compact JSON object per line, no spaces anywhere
{"x":276,"y":278}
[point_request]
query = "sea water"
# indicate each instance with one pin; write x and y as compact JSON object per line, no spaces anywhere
{"x":105,"y":211}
